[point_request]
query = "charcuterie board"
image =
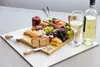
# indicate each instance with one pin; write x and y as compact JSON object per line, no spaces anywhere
{"x":49,"y":49}
{"x":55,"y":40}
{"x":40,"y":59}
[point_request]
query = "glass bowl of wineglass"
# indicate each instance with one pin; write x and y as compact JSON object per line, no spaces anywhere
{"x":76,"y":22}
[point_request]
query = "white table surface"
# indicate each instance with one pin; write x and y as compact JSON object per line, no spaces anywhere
{"x":15,"y":18}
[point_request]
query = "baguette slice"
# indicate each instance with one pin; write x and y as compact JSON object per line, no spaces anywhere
{"x":30,"y":33}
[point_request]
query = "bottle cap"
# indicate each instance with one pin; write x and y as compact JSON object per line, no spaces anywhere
{"x":92,"y":2}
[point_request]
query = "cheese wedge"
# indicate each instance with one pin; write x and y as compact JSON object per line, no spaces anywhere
{"x":56,"y":41}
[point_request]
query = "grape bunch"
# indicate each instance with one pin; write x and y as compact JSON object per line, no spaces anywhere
{"x":48,"y":29}
{"x":69,"y":31}
{"x":65,"y":32}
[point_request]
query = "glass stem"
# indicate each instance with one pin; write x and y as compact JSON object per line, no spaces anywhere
{"x":75,"y":41}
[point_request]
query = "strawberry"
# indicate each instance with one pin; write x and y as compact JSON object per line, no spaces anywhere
{"x":56,"y":21}
{"x":60,"y":23}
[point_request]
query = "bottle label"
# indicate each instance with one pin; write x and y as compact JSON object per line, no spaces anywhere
{"x":89,"y":27}
{"x":84,"y":24}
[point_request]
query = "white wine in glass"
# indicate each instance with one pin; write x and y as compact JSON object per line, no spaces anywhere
{"x":76,"y":22}
{"x":76,"y":25}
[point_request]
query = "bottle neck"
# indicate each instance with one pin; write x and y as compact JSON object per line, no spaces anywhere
{"x":92,"y":6}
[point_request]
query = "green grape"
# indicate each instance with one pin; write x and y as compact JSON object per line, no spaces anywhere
{"x":68,"y":33}
{"x":68,"y":27}
{"x":72,"y":32}
{"x":46,"y":30}
{"x":49,"y":30}
{"x":47,"y":27}
{"x":53,"y":19}
{"x":50,"y":20}
{"x":70,"y":36}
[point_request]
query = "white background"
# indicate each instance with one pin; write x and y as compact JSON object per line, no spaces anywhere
{"x":54,"y":5}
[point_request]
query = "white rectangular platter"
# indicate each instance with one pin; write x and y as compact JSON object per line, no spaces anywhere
{"x":40,"y":59}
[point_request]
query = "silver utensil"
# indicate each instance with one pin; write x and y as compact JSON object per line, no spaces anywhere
{"x":45,"y":12}
{"x":48,"y":11}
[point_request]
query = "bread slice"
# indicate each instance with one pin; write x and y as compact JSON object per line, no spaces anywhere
{"x":26,"y":40}
{"x":35,"y":42}
{"x":47,"y":40}
{"x":44,"y":41}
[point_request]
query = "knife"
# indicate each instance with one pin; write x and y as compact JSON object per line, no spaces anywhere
{"x":29,"y":51}
{"x":14,"y":38}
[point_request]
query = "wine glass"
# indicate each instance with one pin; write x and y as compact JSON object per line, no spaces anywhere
{"x":76,"y":22}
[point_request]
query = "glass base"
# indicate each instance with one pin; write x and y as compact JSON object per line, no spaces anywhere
{"x":75,"y":44}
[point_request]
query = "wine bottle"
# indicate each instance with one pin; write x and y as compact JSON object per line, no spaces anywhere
{"x":90,"y":20}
